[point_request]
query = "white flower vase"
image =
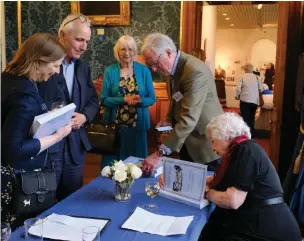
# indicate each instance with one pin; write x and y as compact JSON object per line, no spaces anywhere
{"x":123,"y":192}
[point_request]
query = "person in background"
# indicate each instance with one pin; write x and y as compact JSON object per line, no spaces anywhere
{"x":38,"y":58}
{"x":246,"y":189}
{"x":72,"y":85}
{"x":269,"y":75}
{"x":127,"y":92}
{"x":194,"y":102}
{"x":199,"y":54}
{"x":248,"y":90}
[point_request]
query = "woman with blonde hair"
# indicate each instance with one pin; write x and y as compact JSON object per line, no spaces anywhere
{"x":37,"y":60}
{"x":246,"y":189}
{"x":127,"y":92}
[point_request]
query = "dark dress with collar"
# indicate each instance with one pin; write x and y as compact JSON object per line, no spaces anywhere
{"x":252,"y":171}
{"x":20,"y":103}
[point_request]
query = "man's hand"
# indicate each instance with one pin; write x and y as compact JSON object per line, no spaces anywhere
{"x":78,"y":120}
{"x":149,"y":164}
{"x":164,"y":123}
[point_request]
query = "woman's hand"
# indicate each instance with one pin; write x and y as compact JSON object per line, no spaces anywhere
{"x":132,"y":99}
{"x":64,"y":131}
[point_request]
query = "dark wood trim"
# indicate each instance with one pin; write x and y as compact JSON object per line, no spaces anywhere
{"x":187,"y":26}
{"x":288,"y":42}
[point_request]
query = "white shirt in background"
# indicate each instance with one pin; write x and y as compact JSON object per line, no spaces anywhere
{"x":249,"y":87}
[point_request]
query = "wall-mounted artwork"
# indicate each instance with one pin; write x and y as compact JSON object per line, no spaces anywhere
{"x":114,"y":13}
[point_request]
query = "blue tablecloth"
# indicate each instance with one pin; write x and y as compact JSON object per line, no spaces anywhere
{"x":96,"y":199}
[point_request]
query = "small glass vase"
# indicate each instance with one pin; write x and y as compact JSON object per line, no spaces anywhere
{"x":123,"y":192}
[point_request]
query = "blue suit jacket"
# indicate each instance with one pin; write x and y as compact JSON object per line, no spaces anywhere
{"x":112,"y":98}
{"x":85,"y":99}
{"x":20,"y":103}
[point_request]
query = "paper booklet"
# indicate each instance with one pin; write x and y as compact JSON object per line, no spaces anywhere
{"x":184,"y":182}
{"x":136,"y":160}
{"x":63,"y":227}
{"x":48,"y":123}
{"x":147,"y":222}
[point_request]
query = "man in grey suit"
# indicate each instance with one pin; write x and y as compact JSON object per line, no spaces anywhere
{"x":194,"y":102}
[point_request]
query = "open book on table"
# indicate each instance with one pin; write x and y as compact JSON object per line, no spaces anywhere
{"x":185,"y":182}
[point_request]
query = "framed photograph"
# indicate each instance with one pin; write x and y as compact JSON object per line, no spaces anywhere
{"x":116,"y":13}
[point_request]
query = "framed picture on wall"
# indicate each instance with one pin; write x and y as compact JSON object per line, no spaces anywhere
{"x":114,"y":13}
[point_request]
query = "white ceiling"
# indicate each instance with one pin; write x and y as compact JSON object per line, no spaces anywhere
{"x":247,"y":16}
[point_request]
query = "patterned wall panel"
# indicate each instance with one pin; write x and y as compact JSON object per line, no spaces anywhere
{"x":11,"y":33}
{"x":146,"y":17}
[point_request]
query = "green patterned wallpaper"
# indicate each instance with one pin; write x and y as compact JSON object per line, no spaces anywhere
{"x":146,"y":17}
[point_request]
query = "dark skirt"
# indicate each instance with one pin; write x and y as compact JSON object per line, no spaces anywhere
{"x":273,"y":222}
{"x":221,"y":92}
{"x":132,"y":142}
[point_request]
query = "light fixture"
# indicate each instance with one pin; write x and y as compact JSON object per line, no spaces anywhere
{"x":232,"y":25}
{"x":227,"y":18}
{"x":260,"y":6}
{"x":224,"y":14}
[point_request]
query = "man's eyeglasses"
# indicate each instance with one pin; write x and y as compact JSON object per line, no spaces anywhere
{"x":156,"y":64}
{"x":82,"y":18}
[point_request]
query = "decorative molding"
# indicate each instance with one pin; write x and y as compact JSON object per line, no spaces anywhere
{"x":19,"y":23}
{"x":113,"y":20}
{"x":3,"y":45}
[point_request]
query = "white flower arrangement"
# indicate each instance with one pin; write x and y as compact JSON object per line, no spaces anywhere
{"x":121,"y":172}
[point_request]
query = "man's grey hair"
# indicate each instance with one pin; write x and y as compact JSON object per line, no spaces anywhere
{"x":68,"y":27}
{"x":227,"y":126}
{"x":248,"y":68}
{"x":158,"y":43}
{"x":125,"y":40}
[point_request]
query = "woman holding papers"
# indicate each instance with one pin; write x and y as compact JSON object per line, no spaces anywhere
{"x":245,"y":188}
{"x":127,"y":92}
{"x":36,"y":60}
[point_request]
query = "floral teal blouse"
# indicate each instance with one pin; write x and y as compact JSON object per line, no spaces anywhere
{"x":126,"y":114}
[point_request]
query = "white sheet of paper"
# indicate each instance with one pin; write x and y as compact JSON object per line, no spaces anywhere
{"x":144,"y":221}
{"x":63,"y":227}
{"x":164,"y":128}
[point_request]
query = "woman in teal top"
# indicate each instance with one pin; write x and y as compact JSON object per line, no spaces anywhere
{"x":127,"y":92}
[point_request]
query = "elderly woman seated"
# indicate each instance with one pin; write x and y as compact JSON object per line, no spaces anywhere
{"x":246,"y":189}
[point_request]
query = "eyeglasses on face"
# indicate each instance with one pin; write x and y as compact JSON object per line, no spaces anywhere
{"x":155,"y":65}
{"x":82,"y":18}
{"x":125,"y":50}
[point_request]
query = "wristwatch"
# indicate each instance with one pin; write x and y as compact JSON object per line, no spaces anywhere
{"x":161,"y":152}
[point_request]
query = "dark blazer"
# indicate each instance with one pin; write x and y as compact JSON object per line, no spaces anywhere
{"x":86,"y":101}
{"x":20,"y":103}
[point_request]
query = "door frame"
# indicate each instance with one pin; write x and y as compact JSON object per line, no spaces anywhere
{"x":289,"y":23}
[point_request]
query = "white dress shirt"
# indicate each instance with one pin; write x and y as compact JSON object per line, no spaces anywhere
{"x":249,"y":87}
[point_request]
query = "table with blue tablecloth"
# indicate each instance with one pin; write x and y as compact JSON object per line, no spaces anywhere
{"x":96,"y":199}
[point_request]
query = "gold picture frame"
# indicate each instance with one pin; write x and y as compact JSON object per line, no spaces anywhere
{"x":123,"y":18}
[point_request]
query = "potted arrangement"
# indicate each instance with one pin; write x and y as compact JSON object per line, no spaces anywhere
{"x":123,"y":175}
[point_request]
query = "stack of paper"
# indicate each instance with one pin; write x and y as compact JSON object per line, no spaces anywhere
{"x":144,"y":221}
{"x":62,"y":227}
{"x":136,"y":160}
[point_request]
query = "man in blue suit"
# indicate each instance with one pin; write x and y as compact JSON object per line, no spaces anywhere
{"x":72,"y":85}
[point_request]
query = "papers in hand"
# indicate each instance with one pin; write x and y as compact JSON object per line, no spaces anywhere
{"x":144,"y":221}
{"x":62,"y":227}
{"x":164,"y":128}
{"x":184,"y":182}
{"x":48,"y":123}
{"x":136,"y":160}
